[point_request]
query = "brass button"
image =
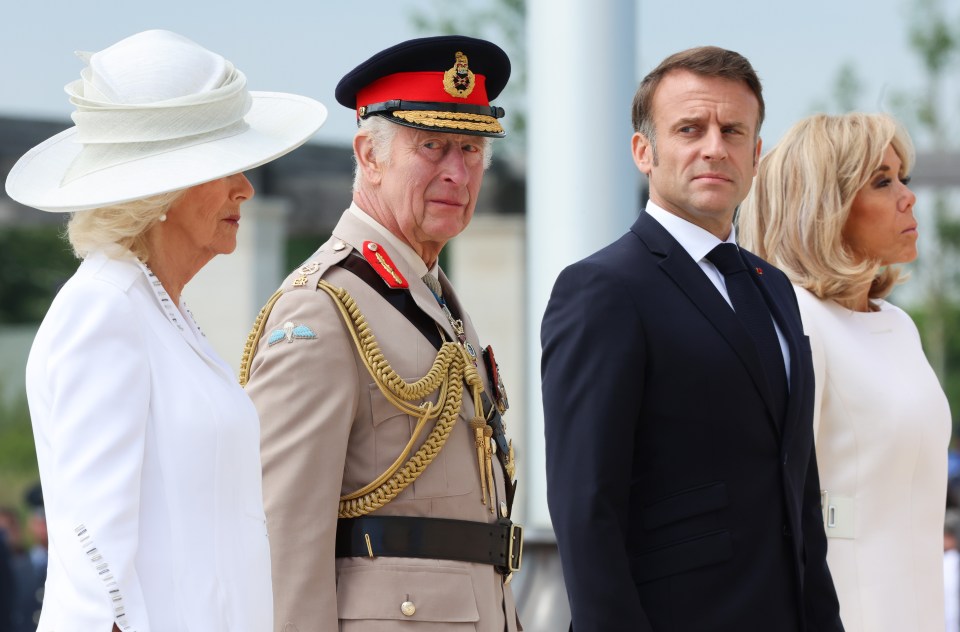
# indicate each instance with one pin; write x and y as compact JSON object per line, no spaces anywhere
{"x":408,"y":609}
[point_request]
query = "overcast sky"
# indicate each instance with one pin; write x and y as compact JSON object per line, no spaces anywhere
{"x":305,"y":46}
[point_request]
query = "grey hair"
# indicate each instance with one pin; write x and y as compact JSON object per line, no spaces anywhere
{"x":382,"y":132}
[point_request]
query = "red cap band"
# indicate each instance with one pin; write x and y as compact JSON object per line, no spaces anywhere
{"x":418,"y":86}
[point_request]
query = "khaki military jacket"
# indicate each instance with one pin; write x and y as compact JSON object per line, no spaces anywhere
{"x":327,"y":430}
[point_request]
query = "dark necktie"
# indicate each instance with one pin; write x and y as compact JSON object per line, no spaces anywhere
{"x":752,"y":311}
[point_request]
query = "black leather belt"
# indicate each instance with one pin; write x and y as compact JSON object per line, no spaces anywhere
{"x":497,"y":543}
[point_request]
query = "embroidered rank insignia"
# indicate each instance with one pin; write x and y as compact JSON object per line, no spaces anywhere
{"x":378,"y":258}
{"x":290,"y":332}
{"x":309,"y":268}
{"x":459,"y":80}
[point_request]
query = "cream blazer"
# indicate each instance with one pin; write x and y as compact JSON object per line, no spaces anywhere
{"x":882,"y":427}
{"x":149,"y":459}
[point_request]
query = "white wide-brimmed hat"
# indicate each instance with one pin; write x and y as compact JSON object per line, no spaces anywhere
{"x":156,"y":113}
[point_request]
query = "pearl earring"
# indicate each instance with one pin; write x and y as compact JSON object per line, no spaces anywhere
{"x":163,"y":217}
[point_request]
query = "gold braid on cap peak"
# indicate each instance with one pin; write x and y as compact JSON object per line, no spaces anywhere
{"x":450,"y":370}
{"x":451,"y":120}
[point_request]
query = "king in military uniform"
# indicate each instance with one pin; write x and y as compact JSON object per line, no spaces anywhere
{"x":387,"y":473}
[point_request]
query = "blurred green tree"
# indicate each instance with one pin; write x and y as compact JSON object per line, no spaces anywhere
{"x":935,"y":39}
{"x":34,"y":263}
{"x":18,"y":457}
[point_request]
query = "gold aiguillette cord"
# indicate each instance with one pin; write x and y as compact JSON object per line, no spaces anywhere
{"x":478,"y":426}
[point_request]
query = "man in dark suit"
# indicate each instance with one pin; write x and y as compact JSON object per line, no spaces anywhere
{"x":678,"y":391}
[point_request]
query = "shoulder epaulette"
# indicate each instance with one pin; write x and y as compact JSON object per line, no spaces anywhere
{"x":317,"y":265}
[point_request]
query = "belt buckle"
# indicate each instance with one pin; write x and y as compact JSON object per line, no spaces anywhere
{"x":515,"y":548}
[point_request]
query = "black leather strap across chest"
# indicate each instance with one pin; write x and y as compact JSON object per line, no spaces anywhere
{"x":402,"y":300}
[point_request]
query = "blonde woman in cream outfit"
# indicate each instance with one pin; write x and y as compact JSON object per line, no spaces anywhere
{"x":831,"y":207}
{"x":147,"y":446}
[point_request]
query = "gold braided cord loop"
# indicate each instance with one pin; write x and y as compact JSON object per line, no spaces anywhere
{"x":451,"y":120}
{"x":253,"y":338}
{"x":450,"y":368}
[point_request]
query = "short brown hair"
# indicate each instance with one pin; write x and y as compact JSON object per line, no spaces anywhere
{"x":708,"y":61}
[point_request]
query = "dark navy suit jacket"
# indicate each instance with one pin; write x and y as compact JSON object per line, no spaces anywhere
{"x":680,"y":500}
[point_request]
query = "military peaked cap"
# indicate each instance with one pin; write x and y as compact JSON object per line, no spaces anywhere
{"x":442,"y":83}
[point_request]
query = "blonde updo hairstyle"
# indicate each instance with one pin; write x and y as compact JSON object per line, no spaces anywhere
{"x":120,"y":228}
{"x":801,"y":198}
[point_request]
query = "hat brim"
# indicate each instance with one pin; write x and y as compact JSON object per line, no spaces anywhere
{"x":452,"y":122}
{"x":277,"y":124}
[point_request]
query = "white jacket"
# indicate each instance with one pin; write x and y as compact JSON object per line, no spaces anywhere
{"x":149,"y":459}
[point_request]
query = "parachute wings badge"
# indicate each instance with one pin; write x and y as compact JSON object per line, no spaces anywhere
{"x":290,"y":332}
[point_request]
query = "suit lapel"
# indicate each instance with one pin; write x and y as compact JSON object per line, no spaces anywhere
{"x":427,"y":302}
{"x":796,"y":341}
{"x":354,"y":232}
{"x":690,"y":279}
{"x":202,"y":346}
{"x":170,"y":324}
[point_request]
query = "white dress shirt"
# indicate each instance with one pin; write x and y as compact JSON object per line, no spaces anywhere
{"x":698,"y":243}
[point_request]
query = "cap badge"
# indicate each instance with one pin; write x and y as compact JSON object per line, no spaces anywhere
{"x":459,"y":80}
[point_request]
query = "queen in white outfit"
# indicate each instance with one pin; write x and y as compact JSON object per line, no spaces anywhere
{"x":831,"y":208}
{"x":147,"y":446}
